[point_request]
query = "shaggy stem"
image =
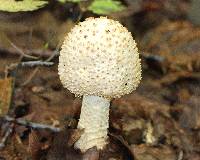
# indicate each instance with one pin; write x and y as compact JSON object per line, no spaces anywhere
{"x":94,"y":120}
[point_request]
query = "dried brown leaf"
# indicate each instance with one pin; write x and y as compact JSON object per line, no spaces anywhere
{"x":6,"y":91}
{"x":91,"y":154}
{"x":75,"y":135}
{"x":168,"y":40}
{"x":61,"y":148}
{"x":34,"y":145}
{"x":145,"y":152}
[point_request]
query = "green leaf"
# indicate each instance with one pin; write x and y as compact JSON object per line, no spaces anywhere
{"x":74,"y":1}
{"x":62,"y":1}
{"x":105,"y":6}
{"x":24,"y":5}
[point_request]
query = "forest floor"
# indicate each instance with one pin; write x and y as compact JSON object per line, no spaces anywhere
{"x":159,"y":121}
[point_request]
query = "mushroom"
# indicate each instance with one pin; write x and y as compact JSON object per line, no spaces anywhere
{"x":99,"y":60}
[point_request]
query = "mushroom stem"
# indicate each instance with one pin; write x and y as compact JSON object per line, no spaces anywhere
{"x":94,"y":120}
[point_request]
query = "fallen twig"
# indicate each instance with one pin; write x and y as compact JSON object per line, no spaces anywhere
{"x":36,"y":70}
{"x":30,"y":77}
{"x":157,"y":58}
{"x":13,"y":66}
{"x":29,"y":64}
{"x":6,"y":135}
{"x":31,"y":124}
{"x":21,"y":51}
{"x":180,"y":155}
{"x":54,"y":54}
{"x":35,"y":63}
{"x":41,"y":53}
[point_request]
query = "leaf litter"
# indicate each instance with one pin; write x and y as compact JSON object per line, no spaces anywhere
{"x":160,"y":121}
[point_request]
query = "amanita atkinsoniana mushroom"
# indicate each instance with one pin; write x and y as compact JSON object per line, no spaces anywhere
{"x":99,"y":60}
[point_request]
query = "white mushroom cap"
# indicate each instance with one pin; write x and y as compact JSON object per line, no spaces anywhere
{"x":99,"y":57}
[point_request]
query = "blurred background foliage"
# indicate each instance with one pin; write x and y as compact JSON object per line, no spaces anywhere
{"x":96,"y":6}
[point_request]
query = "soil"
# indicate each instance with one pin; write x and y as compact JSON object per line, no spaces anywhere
{"x":159,"y":121}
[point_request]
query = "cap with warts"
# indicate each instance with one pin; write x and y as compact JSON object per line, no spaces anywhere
{"x":99,"y":57}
